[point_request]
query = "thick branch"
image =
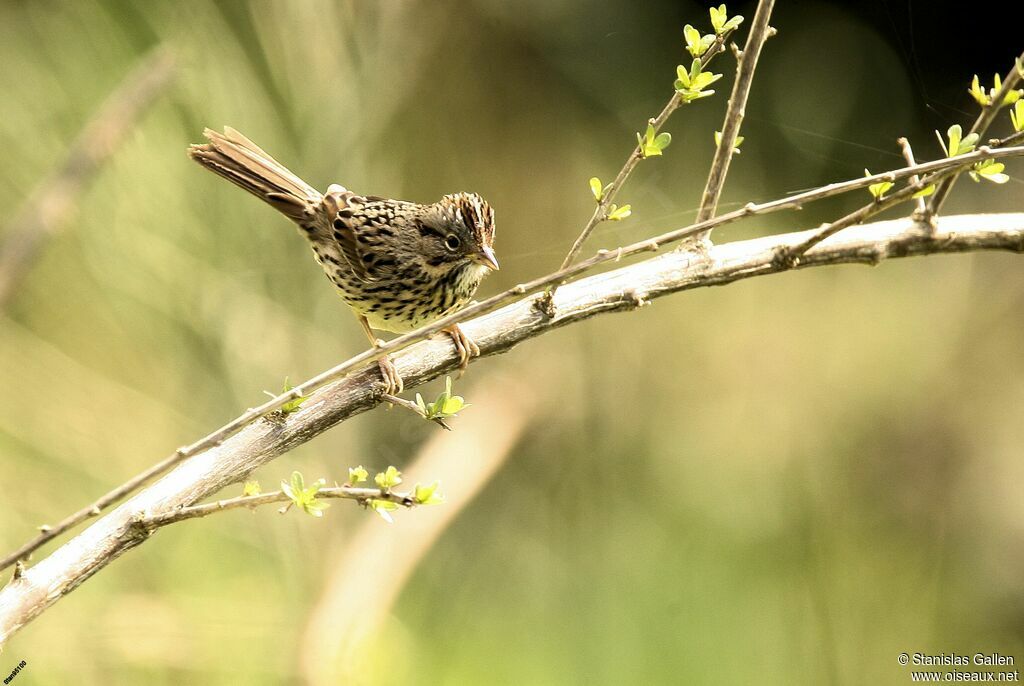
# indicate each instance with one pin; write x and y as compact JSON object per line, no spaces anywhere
{"x":360,"y":361}
{"x":759,"y":33}
{"x":622,"y":289}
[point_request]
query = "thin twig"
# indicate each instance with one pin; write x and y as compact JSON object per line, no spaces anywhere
{"x":413,"y":407}
{"x":981,"y":124}
{"x":47,"y":532}
{"x":619,"y":290}
{"x":495,"y":302}
{"x":791,"y":254}
{"x":42,"y":214}
{"x":361,"y":495}
{"x":920,"y":212}
{"x":600,"y":212}
{"x":1012,"y":139}
{"x":464,"y":462}
{"x":760,"y":31}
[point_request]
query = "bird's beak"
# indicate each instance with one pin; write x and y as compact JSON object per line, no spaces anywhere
{"x":486,"y":258}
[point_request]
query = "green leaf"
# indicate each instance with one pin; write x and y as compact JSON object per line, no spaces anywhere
{"x":1017,"y":116}
{"x":315,"y":507}
{"x":924,"y":192}
{"x":718,"y":18}
{"x":954,"y":133}
{"x":733,"y":23}
{"x":251,"y":488}
{"x":428,"y":495}
{"x":446,"y":405}
{"x":986,"y":98}
{"x":596,"y":188}
{"x":879,"y":189}
{"x":990,"y":170}
{"x":683,"y":78}
{"x":616,"y":213}
{"x":690,"y":85}
{"x":721,"y":22}
{"x":705,"y":79}
{"x":384,"y":508}
{"x":695,"y":44}
{"x":452,"y":406}
{"x":735,"y":148}
{"x":651,"y":144}
{"x":298,"y":484}
{"x":958,"y":143}
{"x":978,"y":93}
{"x":357,"y":475}
{"x":293,"y":404}
{"x":303,"y":497}
{"x":389,"y":478}
{"x":289,"y":491}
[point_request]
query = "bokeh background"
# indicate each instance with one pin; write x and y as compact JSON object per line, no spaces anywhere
{"x":789,"y":480}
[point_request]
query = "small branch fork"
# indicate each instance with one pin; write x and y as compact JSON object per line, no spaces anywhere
{"x":985,"y":118}
{"x":215,"y":438}
{"x":760,"y":31}
{"x":363,"y":496}
{"x":921,"y":210}
{"x":789,"y":256}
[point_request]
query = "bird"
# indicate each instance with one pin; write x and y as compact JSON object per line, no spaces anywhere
{"x":398,"y":265}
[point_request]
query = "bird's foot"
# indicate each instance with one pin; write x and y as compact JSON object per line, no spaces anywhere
{"x":465,"y":347}
{"x":393,"y":384}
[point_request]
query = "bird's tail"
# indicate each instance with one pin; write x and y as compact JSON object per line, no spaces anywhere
{"x":243,"y":163}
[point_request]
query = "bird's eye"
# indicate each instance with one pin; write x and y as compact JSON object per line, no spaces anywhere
{"x":452,"y":242}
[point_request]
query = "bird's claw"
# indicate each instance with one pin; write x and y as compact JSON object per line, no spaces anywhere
{"x":465,"y":347}
{"x":393,"y":384}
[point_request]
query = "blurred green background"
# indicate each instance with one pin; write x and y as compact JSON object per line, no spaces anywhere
{"x":790,"y":480}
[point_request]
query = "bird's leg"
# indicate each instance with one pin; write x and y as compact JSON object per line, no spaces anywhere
{"x":465,"y":347}
{"x":392,"y":381}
